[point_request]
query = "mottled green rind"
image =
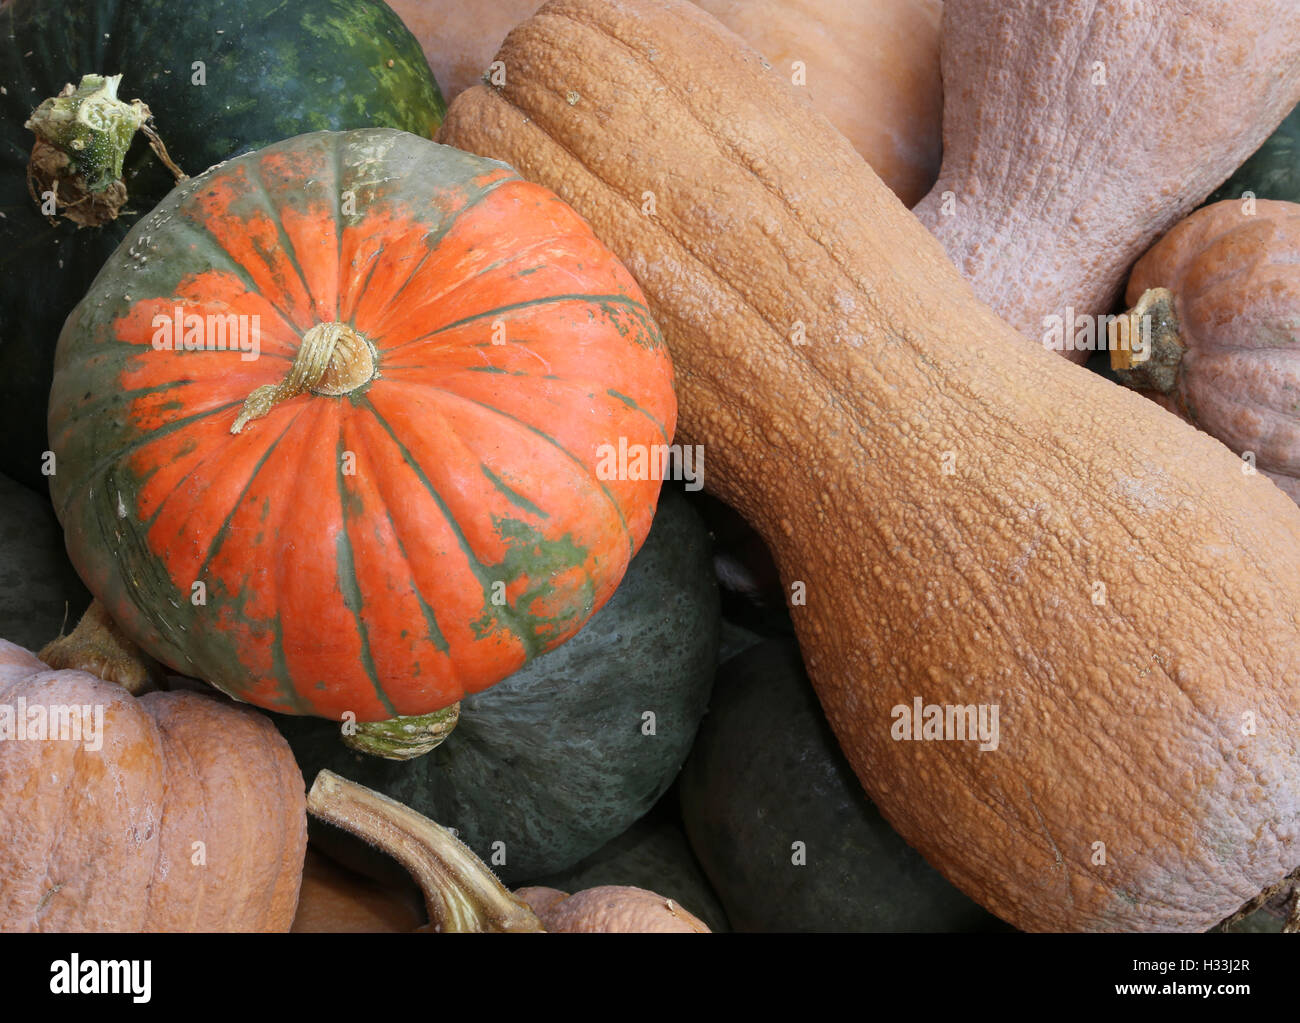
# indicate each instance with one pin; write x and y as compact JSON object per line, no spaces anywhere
{"x":39,"y":591}
{"x":552,"y":761}
{"x":1273,"y":171}
{"x":653,"y":855}
{"x":272,"y":71}
{"x":766,"y":772}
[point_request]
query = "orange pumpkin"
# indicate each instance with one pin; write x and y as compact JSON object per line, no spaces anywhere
{"x":408,"y":477}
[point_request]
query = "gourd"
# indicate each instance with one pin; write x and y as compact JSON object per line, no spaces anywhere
{"x":428,"y":459}
{"x":870,"y":66}
{"x":171,"y":812}
{"x":547,"y":766}
{"x":972,"y":520}
{"x":458,"y":38}
{"x":1220,"y":297}
{"x":220,"y":77}
{"x":781,"y":825}
{"x":39,"y":591}
{"x":1075,"y":137}
{"x":462,"y":894}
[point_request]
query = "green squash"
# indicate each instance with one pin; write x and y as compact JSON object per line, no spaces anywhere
{"x":270,"y":71}
{"x":556,"y":760}
{"x":766,"y":786}
{"x":40,"y":593}
{"x":1273,"y":172}
{"x":652,"y":854}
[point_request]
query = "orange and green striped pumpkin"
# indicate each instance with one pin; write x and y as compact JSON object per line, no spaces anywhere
{"x":424,"y":509}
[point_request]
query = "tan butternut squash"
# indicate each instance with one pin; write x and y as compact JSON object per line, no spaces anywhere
{"x":974,"y":521}
{"x":1074,"y":135}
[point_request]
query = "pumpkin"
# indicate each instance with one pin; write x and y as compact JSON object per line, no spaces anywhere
{"x":459,"y":39}
{"x":462,"y":894}
{"x":428,"y":459}
{"x":171,"y":812}
{"x":334,"y":900}
{"x":782,"y":827}
{"x":221,"y":77}
{"x":870,"y":66}
{"x":1220,"y":296}
{"x":547,"y":766}
{"x":970,"y":522}
{"x":1273,"y":170}
{"x":651,"y":855}
{"x":39,"y":591}
{"x":1075,"y":137}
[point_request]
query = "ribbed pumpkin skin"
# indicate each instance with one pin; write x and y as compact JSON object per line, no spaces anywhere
{"x":473,"y":464}
{"x":1236,"y":285}
{"x":272,"y":71}
{"x":870,"y":66}
{"x":1061,"y":183}
{"x":1121,"y":722}
{"x":105,"y":840}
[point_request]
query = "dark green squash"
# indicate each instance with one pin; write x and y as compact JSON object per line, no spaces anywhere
{"x":1273,"y":171}
{"x":652,"y":854}
{"x":39,"y":591}
{"x":765,"y":774}
{"x":271,"y":71}
{"x":555,"y":760}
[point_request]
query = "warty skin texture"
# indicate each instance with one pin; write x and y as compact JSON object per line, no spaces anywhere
{"x":1120,"y":722}
{"x":1061,"y":183}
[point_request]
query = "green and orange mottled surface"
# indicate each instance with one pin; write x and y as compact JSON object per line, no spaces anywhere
{"x":350,"y":547}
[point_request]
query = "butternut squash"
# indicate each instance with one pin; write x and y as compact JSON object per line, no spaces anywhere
{"x":972,"y":521}
{"x":1075,"y":135}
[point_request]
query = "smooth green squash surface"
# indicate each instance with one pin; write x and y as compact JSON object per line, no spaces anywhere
{"x":781,"y":825}
{"x":556,"y":760}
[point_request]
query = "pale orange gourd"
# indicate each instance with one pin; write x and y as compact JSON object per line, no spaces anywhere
{"x":1075,"y":135}
{"x":973,"y":520}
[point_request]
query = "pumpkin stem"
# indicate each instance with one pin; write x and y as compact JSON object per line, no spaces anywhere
{"x":1152,"y":364}
{"x":98,"y":646}
{"x":461,"y":894}
{"x":332,"y":359}
{"x":404,"y":738}
{"x":82,"y":137}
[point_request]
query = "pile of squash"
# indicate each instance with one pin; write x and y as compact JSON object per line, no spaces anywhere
{"x":361,"y":368}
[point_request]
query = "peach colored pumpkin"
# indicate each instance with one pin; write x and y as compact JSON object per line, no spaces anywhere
{"x":1229,"y":359}
{"x":189,"y":817}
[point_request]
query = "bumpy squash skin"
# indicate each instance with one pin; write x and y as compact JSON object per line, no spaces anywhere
{"x":106,"y":841}
{"x":40,"y":593}
{"x":1121,"y":722}
{"x":553,"y":761}
{"x":272,"y":71}
{"x":765,"y":773}
{"x":870,"y":66}
{"x":1061,"y":183}
{"x":1235,"y":277}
